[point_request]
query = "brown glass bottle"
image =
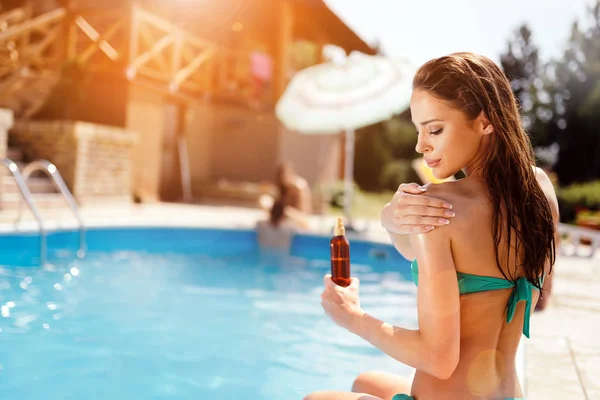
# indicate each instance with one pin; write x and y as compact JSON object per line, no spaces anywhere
{"x":340,"y":255}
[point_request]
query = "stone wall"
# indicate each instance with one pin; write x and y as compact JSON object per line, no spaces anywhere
{"x":95,"y":161}
{"x":6,"y":122}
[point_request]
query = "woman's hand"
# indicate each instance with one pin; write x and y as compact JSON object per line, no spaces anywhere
{"x":342,"y":304}
{"x":410,"y":211}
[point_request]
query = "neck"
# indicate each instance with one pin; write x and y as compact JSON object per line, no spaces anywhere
{"x":475,"y":168}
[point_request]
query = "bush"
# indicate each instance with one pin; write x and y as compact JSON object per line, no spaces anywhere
{"x":397,"y":172}
{"x":577,"y":197}
{"x":379,"y":149}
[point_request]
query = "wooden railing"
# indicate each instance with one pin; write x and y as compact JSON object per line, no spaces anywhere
{"x":30,"y":56}
{"x":163,"y":52}
{"x":132,"y":41}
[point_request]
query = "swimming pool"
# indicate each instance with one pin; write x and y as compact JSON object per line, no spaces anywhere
{"x":172,"y":313}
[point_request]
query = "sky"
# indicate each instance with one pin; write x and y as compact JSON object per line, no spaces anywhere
{"x":424,"y":29}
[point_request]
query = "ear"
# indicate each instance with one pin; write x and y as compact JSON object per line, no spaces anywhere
{"x":484,"y":124}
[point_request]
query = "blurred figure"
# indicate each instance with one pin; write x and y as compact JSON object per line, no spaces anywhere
{"x":278,"y":230}
{"x":293,"y":190}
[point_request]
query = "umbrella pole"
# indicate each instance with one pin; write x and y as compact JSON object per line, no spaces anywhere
{"x":348,"y":176}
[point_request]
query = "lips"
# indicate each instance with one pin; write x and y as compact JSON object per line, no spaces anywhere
{"x":432,"y":163}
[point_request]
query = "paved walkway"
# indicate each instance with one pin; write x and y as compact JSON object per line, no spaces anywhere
{"x":563,"y":354}
{"x":562,"y":357}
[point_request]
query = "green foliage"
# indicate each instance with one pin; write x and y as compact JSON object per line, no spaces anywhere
{"x":383,"y":153}
{"x":577,"y":197}
{"x":397,"y":172}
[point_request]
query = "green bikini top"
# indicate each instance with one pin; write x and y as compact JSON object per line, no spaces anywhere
{"x":468,"y":283}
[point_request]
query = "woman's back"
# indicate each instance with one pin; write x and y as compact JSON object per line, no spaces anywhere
{"x":488,"y":344}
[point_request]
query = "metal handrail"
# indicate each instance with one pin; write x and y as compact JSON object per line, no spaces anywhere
{"x":51,"y":170}
{"x":574,"y":234}
{"x":26,"y":195}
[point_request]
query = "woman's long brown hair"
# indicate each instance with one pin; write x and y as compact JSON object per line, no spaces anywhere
{"x":475,"y":84}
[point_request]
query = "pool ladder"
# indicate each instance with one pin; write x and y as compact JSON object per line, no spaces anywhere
{"x":52,"y":172}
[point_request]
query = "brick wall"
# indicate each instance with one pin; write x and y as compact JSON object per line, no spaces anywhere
{"x":95,"y":161}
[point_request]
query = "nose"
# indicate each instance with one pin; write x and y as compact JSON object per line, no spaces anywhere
{"x":421,"y":146}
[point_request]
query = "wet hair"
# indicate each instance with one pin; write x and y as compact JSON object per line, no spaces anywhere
{"x":474,"y":84}
{"x":277,"y":213}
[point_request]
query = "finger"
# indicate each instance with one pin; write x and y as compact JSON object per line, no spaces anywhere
{"x":423,"y":211}
{"x":422,"y":200}
{"x":418,"y":228}
{"x":329,"y":283}
{"x":419,"y":220}
{"x":354,"y":282}
{"x":411,"y":188}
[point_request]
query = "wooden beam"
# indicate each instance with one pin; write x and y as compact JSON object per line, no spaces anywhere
{"x":149,"y":41}
{"x":147,"y":56}
{"x":154,"y":74}
{"x":12,"y":16}
{"x":94,"y":12}
{"x":102,"y":43}
{"x":37,"y":23}
{"x":34,"y":53}
{"x":154,"y":20}
{"x":27,"y":13}
{"x":183,"y":74}
{"x":134,"y":23}
{"x":8,"y":82}
{"x":177,"y":56}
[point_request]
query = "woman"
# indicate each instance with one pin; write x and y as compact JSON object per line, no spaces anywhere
{"x":480,"y":276}
{"x":293,"y":189}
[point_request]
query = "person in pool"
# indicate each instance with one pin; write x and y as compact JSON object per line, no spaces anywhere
{"x":479,"y":277}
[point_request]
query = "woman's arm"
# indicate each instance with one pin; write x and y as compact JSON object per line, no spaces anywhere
{"x":548,"y":189}
{"x":435,"y":347}
{"x":411,"y":211}
{"x":299,"y":218}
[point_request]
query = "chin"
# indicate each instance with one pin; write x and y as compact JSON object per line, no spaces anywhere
{"x":441,"y":174}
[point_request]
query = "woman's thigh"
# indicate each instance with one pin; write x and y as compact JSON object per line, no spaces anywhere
{"x":381,"y":384}
{"x":333,"y":395}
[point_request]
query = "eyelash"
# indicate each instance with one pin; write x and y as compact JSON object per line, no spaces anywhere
{"x":433,"y":132}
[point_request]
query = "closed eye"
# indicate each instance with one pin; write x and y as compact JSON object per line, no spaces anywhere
{"x":432,"y":132}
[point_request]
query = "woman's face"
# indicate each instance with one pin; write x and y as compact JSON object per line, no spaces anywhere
{"x":448,"y":139}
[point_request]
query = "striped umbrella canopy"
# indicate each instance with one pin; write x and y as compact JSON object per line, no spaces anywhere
{"x":345,"y":94}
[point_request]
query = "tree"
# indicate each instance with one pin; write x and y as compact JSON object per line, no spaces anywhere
{"x":576,"y":124}
{"x":531,"y":87}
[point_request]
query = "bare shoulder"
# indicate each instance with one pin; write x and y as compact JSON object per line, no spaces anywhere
{"x":433,"y":249}
{"x":548,"y":188}
{"x":461,"y":194}
{"x":456,"y":194}
{"x":445,"y":190}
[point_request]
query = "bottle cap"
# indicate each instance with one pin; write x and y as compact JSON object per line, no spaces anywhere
{"x":339,"y":229}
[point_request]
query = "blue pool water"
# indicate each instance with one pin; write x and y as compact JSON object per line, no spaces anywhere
{"x":159,"y":313}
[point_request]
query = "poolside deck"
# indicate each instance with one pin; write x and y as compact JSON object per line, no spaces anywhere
{"x":561,"y":356}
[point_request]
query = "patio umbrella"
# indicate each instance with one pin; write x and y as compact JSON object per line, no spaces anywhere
{"x":345,"y":94}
